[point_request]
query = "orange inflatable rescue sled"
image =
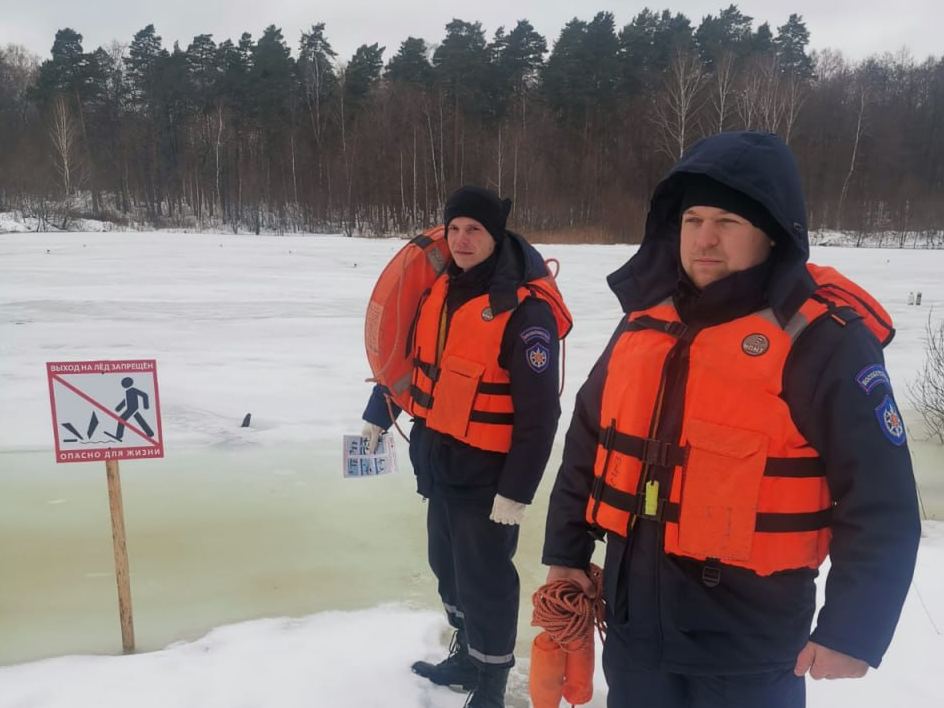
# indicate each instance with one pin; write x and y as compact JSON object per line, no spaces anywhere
{"x":392,"y":309}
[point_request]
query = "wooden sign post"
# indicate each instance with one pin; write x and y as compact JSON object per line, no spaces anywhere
{"x":122,"y":573}
{"x":108,"y":410}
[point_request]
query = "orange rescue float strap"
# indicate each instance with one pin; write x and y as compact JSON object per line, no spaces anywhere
{"x":393,"y":305}
{"x":836,"y":290}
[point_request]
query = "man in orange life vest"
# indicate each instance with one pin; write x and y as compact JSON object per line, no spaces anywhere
{"x":737,"y":427}
{"x":484,"y":402}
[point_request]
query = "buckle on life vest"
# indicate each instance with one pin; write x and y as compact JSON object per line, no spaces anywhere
{"x":428,"y":368}
{"x":421,"y":398}
{"x":677,"y":329}
{"x":673,"y":328}
{"x":655,"y":452}
{"x":711,"y":573}
{"x":597,"y":532}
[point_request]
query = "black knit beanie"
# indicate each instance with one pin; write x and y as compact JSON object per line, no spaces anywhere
{"x":480,"y":204}
{"x":701,"y":190}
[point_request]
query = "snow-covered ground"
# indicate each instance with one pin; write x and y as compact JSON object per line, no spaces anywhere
{"x":256,"y":523}
{"x":15,"y":222}
{"x":883,"y":239}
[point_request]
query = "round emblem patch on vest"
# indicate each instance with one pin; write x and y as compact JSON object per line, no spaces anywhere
{"x":487,"y":314}
{"x":755,"y":344}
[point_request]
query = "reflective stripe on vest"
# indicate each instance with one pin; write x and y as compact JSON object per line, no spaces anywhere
{"x":747,"y":488}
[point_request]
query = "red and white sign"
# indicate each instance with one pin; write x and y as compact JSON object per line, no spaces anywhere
{"x":105,"y":410}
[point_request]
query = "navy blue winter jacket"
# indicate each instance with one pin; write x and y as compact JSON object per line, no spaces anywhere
{"x":670,"y":618}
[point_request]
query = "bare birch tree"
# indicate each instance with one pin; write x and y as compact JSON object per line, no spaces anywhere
{"x":748,"y":96}
{"x":679,"y":102}
{"x":927,"y":391}
{"x":722,"y":91}
{"x":64,"y":134}
{"x":217,"y":150}
{"x":794,"y":92}
{"x":861,"y":98}
{"x":770,"y":103}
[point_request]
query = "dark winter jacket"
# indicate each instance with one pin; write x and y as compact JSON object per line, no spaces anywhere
{"x":443,"y":465}
{"x":670,"y":618}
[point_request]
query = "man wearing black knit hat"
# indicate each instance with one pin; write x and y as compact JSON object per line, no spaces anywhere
{"x":484,"y":401}
{"x":739,"y":427}
{"x":480,"y":204}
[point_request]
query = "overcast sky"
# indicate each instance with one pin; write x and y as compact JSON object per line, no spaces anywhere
{"x":857,"y":28}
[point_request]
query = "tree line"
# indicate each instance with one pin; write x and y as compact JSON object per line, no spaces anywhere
{"x":248,"y":135}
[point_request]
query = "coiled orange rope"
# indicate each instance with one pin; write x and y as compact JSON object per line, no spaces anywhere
{"x":562,"y":656}
{"x":567,"y":613}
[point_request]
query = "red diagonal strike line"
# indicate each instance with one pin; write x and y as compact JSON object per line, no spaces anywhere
{"x":102,"y":408}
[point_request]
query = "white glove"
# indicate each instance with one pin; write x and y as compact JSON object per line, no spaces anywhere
{"x":371,"y":433}
{"x":507,"y":511}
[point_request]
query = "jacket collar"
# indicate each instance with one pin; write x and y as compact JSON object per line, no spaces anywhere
{"x":513,"y":263}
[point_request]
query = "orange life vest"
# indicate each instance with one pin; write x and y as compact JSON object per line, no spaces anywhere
{"x":747,"y":489}
{"x":458,"y":386}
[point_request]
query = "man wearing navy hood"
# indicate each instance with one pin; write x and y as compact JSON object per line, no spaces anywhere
{"x":739,"y":427}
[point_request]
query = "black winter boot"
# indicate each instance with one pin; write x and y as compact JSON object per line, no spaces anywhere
{"x":490,"y":691}
{"x":456,"y":669}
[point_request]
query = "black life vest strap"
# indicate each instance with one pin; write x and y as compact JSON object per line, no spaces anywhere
{"x":432,"y":372}
{"x":794,"y":467}
{"x":421,"y":398}
{"x":649,"y":450}
{"x":492,"y":418}
{"x":859,"y":301}
{"x":666,"y":454}
{"x":428,"y":368}
{"x":422,"y":241}
{"x":670,"y":512}
{"x":494,"y":389}
{"x":672,"y":328}
{"x":843,"y":314}
{"x":425,"y":400}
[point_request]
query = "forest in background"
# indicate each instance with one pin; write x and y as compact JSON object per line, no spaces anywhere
{"x":250,"y":135}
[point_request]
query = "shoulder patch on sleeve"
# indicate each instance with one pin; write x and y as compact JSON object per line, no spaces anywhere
{"x":538,"y":356}
{"x":872,"y":376}
{"x":536,"y":333}
{"x":890,"y":422}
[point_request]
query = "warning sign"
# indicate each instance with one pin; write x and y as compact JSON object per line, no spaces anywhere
{"x":105,"y":410}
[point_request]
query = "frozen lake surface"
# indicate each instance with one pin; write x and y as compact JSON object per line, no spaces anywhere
{"x":236,"y":524}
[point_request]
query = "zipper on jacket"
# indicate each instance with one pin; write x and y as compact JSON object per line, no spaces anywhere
{"x":654,"y":425}
{"x":659,"y":530}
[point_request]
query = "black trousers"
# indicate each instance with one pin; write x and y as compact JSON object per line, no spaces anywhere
{"x":635,"y":636}
{"x":633,"y":687}
{"x":471,"y":558}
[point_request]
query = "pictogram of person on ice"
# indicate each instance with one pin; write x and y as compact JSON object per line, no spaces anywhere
{"x":130,"y":406}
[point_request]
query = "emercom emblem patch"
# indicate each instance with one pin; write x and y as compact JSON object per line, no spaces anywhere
{"x":890,"y":422}
{"x":538,"y":357}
